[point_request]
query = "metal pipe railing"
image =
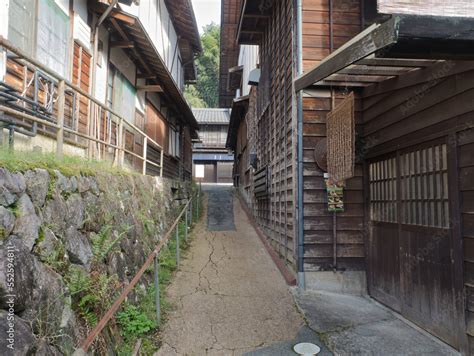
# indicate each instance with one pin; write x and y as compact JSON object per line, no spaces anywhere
{"x":152,"y":258}
{"x":34,"y":64}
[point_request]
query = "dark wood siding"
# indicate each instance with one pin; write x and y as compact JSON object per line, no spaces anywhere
{"x":230,"y":12}
{"x":436,"y":103}
{"x":81,"y":77}
{"x":318,"y":24}
{"x":318,"y":222}
{"x":273,"y":123}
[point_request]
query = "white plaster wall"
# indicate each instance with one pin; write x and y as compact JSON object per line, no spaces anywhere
{"x":81,"y":31}
{"x":140,"y":97}
{"x":4,"y":33}
{"x":47,"y":144}
{"x":124,"y":64}
{"x":248,"y":57}
{"x":101,"y":73}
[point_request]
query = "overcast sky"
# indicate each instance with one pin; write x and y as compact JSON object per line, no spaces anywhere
{"x":207,"y":11}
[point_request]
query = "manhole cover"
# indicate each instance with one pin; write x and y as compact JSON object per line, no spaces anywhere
{"x":307,"y":349}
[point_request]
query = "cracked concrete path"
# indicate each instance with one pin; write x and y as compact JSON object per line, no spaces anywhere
{"x":229,"y":297}
{"x":354,"y":325}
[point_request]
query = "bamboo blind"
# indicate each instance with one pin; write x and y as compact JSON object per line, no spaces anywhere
{"x":341,"y":140}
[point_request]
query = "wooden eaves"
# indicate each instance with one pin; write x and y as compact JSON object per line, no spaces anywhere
{"x":403,"y":43}
{"x":149,"y":61}
{"x":254,"y":16}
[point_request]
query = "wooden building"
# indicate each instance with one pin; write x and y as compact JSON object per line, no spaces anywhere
{"x":210,"y":152}
{"x":230,"y":12}
{"x":404,"y":234}
{"x":124,"y":66}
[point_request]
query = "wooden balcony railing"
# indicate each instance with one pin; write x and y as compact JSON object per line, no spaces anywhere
{"x":105,"y":133}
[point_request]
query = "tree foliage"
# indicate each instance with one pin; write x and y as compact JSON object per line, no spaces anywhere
{"x":205,"y":93}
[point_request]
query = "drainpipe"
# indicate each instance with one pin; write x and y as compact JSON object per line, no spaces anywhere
{"x":299,"y":45}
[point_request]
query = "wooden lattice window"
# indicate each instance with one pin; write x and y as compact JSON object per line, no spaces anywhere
{"x":383,"y":191}
{"x":424,"y":187}
{"x":422,"y":198}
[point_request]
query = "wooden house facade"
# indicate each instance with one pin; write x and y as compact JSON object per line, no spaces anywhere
{"x":210,"y":153}
{"x":124,"y":66}
{"x":403,"y":235}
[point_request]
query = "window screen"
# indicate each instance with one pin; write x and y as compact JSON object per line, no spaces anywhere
{"x":422,"y":199}
{"x":123,"y":94}
{"x":424,"y":187}
{"x":52,"y":36}
{"x":383,"y":191}
{"x":21,"y":24}
{"x":174,"y":142}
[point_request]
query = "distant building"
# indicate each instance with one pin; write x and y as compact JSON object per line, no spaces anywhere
{"x":210,"y":152}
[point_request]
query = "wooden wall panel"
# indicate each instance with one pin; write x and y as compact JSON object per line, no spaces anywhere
{"x":443,"y":108}
{"x":230,"y":12}
{"x":81,"y":77}
{"x":267,"y":131}
{"x":274,"y":133}
{"x":319,"y":20}
{"x":156,"y":126}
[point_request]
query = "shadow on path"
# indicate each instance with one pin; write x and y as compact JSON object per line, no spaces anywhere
{"x":220,"y":213}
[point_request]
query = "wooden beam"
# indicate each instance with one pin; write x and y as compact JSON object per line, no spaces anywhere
{"x":119,"y":29}
{"x":436,"y":72}
{"x":151,"y":88}
{"x":146,"y":76}
{"x":396,"y":62}
{"x":122,"y":44}
{"x":369,"y":41}
{"x":127,"y":39}
{"x":248,"y":32}
{"x":357,"y":78}
{"x":327,"y":83}
{"x":115,"y":13}
{"x":258,"y":16}
{"x":373,"y":70}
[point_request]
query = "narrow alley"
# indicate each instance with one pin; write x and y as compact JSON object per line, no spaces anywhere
{"x":230,"y":298}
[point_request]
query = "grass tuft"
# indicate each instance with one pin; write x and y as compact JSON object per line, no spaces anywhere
{"x":21,"y":161}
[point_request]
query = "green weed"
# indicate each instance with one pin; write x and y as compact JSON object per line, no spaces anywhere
{"x":20,"y":161}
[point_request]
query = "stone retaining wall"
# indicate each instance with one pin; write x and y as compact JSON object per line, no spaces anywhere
{"x":55,"y":228}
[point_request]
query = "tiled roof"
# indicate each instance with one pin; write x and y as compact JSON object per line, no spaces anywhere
{"x":212,"y":116}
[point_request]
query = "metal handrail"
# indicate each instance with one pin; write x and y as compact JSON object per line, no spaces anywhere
{"x":62,"y":83}
{"x":152,"y":257}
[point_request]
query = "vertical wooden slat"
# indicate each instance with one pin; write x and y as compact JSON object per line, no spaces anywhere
{"x":145,"y":148}
{"x":60,"y":131}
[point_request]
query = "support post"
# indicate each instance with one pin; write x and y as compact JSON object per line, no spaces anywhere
{"x":60,"y":132}
{"x":157,"y":289}
{"x":121,"y":144}
{"x":191,"y":211}
{"x":177,"y":245}
{"x":145,"y":149}
{"x":186,"y":224}
{"x":161,"y":161}
{"x":198,"y":201}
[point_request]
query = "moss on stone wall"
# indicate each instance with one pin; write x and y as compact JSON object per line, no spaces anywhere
{"x":78,"y":239}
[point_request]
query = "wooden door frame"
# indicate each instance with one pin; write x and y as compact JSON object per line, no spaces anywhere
{"x":369,"y":224}
{"x":457,"y":239}
{"x":456,"y":242}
